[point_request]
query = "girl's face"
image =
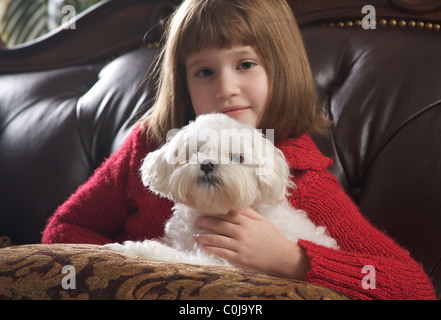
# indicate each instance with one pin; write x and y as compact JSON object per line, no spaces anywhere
{"x":231,"y":81}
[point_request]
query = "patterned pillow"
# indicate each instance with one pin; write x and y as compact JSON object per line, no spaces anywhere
{"x":79,"y":271}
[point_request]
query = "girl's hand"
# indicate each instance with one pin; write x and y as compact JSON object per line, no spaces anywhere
{"x":247,"y":239}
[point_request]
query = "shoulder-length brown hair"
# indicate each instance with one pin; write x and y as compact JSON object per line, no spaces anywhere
{"x":267,"y":25}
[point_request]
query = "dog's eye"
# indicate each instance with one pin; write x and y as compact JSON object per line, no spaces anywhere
{"x":236,"y":158}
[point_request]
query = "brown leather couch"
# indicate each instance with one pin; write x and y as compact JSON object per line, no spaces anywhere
{"x":69,"y":99}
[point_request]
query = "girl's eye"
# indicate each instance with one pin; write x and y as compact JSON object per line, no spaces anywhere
{"x":246,"y":65}
{"x":236,"y":158}
{"x":204,"y":73}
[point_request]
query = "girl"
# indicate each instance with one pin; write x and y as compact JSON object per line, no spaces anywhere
{"x":244,"y":58}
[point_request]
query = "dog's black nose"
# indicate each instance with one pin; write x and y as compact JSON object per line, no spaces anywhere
{"x":207,"y":167}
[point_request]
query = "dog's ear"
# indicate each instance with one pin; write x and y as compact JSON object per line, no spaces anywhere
{"x":274,"y":175}
{"x":156,"y":170}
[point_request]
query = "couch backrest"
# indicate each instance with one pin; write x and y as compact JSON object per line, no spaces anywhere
{"x":57,"y":126}
{"x":383,"y":91}
{"x":382,"y":88}
{"x":63,"y":112}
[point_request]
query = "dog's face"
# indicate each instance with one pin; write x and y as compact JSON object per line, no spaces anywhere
{"x":216,"y":165}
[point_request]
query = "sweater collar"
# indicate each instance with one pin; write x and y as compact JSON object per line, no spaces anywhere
{"x":302,"y":154}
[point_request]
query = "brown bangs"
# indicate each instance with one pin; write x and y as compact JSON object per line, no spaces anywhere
{"x":214,"y":25}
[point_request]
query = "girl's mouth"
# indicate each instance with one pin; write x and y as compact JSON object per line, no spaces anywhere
{"x":234,"y":110}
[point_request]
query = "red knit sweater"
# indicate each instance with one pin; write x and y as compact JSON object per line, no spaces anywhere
{"x":115,"y":206}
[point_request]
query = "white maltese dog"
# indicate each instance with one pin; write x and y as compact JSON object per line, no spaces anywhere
{"x":210,"y":167}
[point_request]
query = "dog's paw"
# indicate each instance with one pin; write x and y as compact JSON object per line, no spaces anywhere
{"x":144,"y":249}
{"x":117,"y":247}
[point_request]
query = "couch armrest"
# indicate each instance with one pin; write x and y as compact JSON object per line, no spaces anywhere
{"x":36,"y":272}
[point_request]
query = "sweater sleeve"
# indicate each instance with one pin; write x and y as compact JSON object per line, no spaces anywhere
{"x":368,"y":264}
{"x":100,"y":207}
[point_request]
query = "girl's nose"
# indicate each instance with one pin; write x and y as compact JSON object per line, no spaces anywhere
{"x":228,"y":86}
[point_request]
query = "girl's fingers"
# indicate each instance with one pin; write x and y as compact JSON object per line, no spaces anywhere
{"x":224,"y":225}
{"x":212,"y":242}
{"x":250,"y":213}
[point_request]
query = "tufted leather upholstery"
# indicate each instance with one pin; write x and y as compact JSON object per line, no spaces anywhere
{"x":382,"y":87}
{"x":56,"y":128}
{"x":384,"y":93}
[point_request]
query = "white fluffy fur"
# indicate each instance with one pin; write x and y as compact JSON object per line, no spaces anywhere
{"x":175,"y":171}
